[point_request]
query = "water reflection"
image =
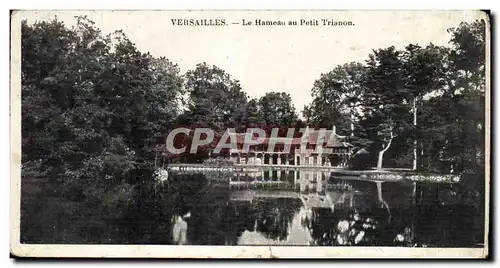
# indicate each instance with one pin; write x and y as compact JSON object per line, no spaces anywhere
{"x":277,"y":207}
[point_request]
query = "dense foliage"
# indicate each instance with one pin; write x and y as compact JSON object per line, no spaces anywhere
{"x":421,"y":103}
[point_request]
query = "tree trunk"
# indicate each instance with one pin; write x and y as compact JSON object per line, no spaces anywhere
{"x":352,"y":119}
{"x":381,"y":153}
{"x":415,"y":138}
{"x":352,"y":125}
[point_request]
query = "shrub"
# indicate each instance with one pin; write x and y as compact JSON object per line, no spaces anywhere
{"x":361,"y":160}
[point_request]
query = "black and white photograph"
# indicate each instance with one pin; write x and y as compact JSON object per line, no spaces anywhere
{"x":250,"y":133}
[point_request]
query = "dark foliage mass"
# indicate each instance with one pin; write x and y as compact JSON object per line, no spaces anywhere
{"x":93,"y":107}
{"x":424,"y":101}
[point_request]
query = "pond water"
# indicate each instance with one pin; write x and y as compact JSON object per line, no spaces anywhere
{"x":280,"y":207}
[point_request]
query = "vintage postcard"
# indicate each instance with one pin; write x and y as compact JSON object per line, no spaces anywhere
{"x":250,"y":133}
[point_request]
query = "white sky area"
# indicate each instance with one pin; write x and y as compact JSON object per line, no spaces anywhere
{"x":272,"y":58}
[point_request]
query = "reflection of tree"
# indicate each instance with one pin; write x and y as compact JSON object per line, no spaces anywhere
{"x":207,"y":224}
{"x":275,"y":215}
{"x":444,"y":220}
{"x":381,"y":200}
{"x":240,"y":218}
{"x":321,"y":225}
{"x":146,"y":219}
{"x":362,"y":224}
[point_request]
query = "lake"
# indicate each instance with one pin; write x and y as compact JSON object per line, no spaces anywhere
{"x":277,"y":207}
{"x":262,"y":207}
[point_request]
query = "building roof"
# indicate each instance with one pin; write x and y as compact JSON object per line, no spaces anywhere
{"x":329,"y":137}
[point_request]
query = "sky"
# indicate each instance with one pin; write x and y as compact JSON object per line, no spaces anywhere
{"x":271,"y":58}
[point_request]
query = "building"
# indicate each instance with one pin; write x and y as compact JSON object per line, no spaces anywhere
{"x":309,"y":150}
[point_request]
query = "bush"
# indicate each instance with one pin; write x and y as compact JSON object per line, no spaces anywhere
{"x":361,"y":160}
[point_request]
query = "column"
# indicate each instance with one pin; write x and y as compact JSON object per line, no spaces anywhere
{"x":303,"y":182}
{"x":319,"y":182}
{"x":278,"y":160}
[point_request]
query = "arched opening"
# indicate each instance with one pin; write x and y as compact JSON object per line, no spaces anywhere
{"x":275,"y":159}
{"x":251,"y":158}
{"x":267,"y":159}
{"x":266,"y":175}
{"x":234,"y":157}
{"x":259,"y":159}
{"x":274,"y":175}
{"x":284,"y":159}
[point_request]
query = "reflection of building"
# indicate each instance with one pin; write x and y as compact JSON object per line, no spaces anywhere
{"x":310,"y":187}
{"x":314,"y":148}
{"x":278,"y":207}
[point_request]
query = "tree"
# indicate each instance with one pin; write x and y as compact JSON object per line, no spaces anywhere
{"x":253,"y":113}
{"x":424,"y":69}
{"x":336,"y":96}
{"x":276,"y":108}
{"x":468,"y":54}
{"x":215,"y":99}
{"x":454,"y":126}
{"x":91,"y":103}
{"x":385,"y":113}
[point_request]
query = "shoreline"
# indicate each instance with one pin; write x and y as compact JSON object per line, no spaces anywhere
{"x":385,"y":175}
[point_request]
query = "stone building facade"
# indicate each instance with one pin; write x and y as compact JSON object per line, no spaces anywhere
{"x":315,"y":148}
